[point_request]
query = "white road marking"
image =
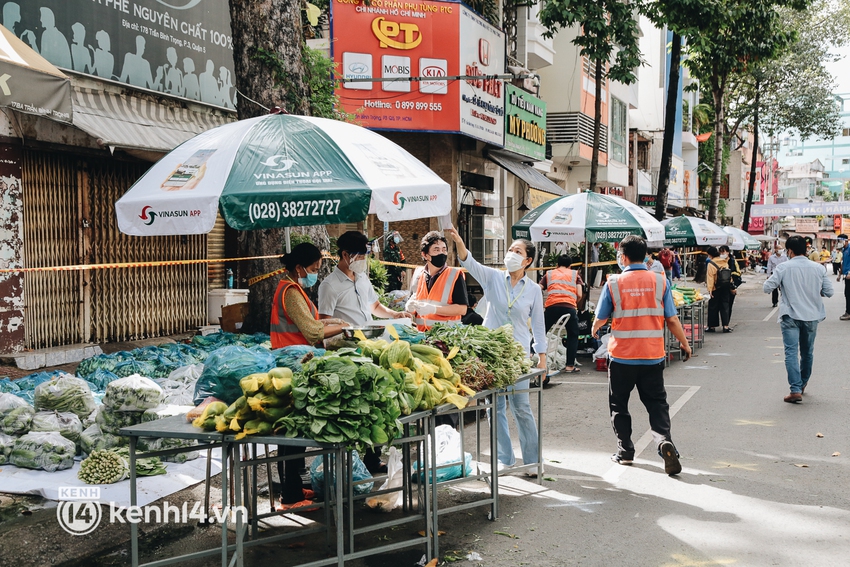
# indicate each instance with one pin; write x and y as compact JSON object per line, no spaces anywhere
{"x":771,"y":314}
{"x":616,"y":470}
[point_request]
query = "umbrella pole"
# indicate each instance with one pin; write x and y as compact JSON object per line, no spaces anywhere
{"x":287,"y":231}
{"x":586,"y":244}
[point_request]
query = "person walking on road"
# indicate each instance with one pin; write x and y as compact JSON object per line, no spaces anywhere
{"x":803,"y":285}
{"x":639,"y":303}
{"x":845,"y":270}
{"x":594,"y":258}
{"x":564,"y":291}
{"x":836,"y":257}
{"x":718,"y":278}
{"x":775,"y":259}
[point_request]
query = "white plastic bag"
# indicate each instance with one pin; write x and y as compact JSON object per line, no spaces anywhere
{"x":602,"y":351}
{"x":447,"y":439}
{"x":395,"y":478}
{"x":133,"y":393}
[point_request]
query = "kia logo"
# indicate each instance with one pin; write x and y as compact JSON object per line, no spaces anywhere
{"x":433,"y":71}
{"x":484,"y":52}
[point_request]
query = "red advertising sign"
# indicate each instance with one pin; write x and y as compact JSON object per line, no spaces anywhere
{"x":425,"y":41}
{"x":389,"y":39}
{"x":756,"y":225}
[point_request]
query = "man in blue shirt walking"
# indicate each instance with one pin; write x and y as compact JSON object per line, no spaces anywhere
{"x":803,"y":283}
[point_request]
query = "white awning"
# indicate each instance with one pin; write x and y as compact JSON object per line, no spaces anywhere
{"x":138,"y":122}
{"x":525,"y":172}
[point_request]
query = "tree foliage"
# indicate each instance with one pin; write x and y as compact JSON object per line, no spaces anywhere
{"x":609,"y":37}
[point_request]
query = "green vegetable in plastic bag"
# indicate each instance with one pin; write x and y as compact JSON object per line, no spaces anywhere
{"x":93,"y":439}
{"x":132,"y":394}
{"x":103,"y":467}
{"x":113,"y":421}
{"x":15,"y":415}
{"x":39,"y":450}
{"x":65,"y":423}
{"x":6,"y":444}
{"x":65,"y":393}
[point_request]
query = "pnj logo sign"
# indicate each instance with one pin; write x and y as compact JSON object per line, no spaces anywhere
{"x":396,"y":35}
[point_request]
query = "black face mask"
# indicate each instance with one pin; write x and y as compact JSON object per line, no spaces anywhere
{"x":438,"y":260}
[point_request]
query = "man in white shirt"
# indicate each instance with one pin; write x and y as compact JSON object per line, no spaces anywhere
{"x":347,"y":293}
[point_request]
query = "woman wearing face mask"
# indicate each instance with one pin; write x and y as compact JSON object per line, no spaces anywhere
{"x":438,"y":292}
{"x":719,"y":290}
{"x":347,"y":292}
{"x":514,"y":298}
{"x":295,"y":320}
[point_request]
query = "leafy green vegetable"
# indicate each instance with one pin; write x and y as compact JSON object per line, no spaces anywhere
{"x":6,"y":444}
{"x":93,"y":439}
{"x":103,"y":467}
{"x":496,"y":348}
{"x":150,"y":466}
{"x":65,"y":423}
{"x":344,"y":398}
{"x":15,"y":415}
{"x":132,"y":394}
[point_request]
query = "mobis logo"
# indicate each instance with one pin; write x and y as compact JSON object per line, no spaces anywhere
{"x":396,"y":35}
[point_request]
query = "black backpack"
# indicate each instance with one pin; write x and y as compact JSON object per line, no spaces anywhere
{"x":723,"y":279}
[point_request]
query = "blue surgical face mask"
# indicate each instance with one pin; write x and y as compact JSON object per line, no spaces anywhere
{"x":309,"y":281}
{"x":620,"y":262}
{"x":396,"y":239}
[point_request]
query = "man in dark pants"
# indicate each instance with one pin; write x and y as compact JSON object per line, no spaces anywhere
{"x":639,"y":303}
{"x":845,"y":273}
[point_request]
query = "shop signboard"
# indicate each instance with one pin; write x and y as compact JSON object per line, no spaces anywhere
{"x":525,"y":123}
{"x":808,"y":226}
{"x":756,"y":225}
{"x":647,"y":200}
{"x":845,"y":226}
{"x":179,"y":47}
{"x":428,"y":42}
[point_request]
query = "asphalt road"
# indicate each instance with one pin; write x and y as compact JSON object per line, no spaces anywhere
{"x":765,"y":483}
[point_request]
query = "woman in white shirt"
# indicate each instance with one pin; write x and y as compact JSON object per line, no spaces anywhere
{"x":513,"y":298}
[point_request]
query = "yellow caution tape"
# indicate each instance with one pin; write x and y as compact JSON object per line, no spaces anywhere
{"x":121,"y":265}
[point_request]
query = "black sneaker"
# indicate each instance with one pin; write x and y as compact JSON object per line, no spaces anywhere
{"x":622,"y":460}
{"x":668,"y":452}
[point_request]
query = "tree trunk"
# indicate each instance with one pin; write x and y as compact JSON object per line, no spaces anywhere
{"x":669,"y":128}
{"x":719,"y":118}
{"x":597,"y":126}
{"x":746,"y":224}
{"x":268,"y":69}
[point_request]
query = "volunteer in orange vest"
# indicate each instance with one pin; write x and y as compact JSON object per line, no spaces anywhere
{"x":639,"y":303}
{"x":437,"y":292}
{"x":564,"y":287}
{"x":295,"y":321}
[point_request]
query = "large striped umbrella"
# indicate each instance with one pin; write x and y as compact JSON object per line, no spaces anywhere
{"x":588,"y":216}
{"x":741,"y":240}
{"x":279,"y":171}
{"x":692,"y":231}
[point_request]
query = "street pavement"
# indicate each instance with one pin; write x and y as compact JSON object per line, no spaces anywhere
{"x":765,"y":483}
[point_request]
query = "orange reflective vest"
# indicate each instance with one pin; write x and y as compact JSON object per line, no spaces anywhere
{"x":562,"y":287}
{"x":440,"y":294}
{"x":637,"y":324}
{"x":283,"y":331}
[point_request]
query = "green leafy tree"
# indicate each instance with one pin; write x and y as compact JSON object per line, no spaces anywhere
{"x":734,"y":36}
{"x":608,"y":36}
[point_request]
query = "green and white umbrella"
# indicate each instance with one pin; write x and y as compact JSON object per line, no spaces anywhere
{"x":692,"y":231}
{"x":741,"y":240}
{"x":279,"y":171}
{"x":588,"y":216}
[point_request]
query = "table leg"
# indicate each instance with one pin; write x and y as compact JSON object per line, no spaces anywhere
{"x":225,"y":455}
{"x":207,"y":487}
{"x":134,"y":527}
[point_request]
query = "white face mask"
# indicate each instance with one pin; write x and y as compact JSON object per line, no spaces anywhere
{"x":513,"y":261}
{"x":724,"y":256}
{"x":358,"y":266}
{"x":620,"y":262}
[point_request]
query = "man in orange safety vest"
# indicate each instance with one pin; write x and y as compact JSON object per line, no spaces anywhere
{"x":639,"y":302}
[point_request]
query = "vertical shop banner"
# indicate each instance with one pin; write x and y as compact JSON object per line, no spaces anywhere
{"x":482,"y":101}
{"x":525,"y":123}
{"x":179,"y":47}
{"x":397,"y":40}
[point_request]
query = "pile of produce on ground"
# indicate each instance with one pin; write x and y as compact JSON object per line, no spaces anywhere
{"x":485,"y":358}
{"x":108,"y":466}
{"x":683,"y":295}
